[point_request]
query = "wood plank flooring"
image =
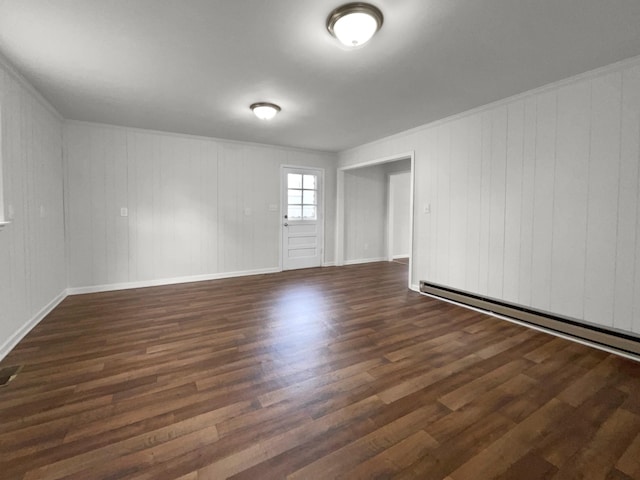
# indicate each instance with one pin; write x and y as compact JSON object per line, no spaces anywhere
{"x":314,"y":374}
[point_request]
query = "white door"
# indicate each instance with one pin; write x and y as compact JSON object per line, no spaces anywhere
{"x":302,"y":222}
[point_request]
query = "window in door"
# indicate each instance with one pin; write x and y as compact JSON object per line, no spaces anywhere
{"x":302,"y":196}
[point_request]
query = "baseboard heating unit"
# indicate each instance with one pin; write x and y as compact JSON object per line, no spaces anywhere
{"x":610,"y":338}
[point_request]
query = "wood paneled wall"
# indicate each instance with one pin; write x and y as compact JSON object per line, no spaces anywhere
{"x":197,"y":206}
{"x":32,"y":253}
{"x":534,"y":199}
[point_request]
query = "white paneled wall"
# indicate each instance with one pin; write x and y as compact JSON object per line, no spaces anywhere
{"x":399,"y":192}
{"x":32,"y":254}
{"x":196,"y":206}
{"x":365,"y":212}
{"x":534,"y":200}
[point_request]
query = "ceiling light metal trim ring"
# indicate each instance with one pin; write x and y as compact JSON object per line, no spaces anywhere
{"x":355,"y":7}
{"x":265,"y":110}
{"x":265,"y":104}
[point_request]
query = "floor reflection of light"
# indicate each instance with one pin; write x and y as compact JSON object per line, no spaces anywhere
{"x":298,"y":330}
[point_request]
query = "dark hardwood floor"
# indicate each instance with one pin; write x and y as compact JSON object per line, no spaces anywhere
{"x":314,"y":374}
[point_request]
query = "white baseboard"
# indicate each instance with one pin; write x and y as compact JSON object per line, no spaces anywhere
{"x":395,"y":257}
{"x":167,"y":281}
{"x":415,"y":288}
{"x":329,"y":264}
{"x":365,"y":260}
{"x":10,"y":344}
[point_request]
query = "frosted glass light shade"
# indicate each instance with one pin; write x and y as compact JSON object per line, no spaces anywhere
{"x":355,"y":23}
{"x":265,"y":111}
{"x":355,"y":29}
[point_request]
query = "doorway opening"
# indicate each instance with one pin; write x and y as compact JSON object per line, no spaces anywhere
{"x":369,"y":220}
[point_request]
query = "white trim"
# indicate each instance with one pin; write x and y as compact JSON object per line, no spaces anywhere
{"x":538,"y":328}
{"x":14,"y":339}
{"x":390,"y":217}
{"x":339,"y":231}
{"x":613,"y":67}
{"x":167,"y":281}
{"x":378,"y":161}
{"x":412,"y":190}
{"x":364,"y":260}
{"x":329,"y":264}
{"x":404,"y":255}
{"x":4,"y":224}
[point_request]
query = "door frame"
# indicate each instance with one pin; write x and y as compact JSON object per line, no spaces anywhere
{"x":281,"y":211}
{"x":339,"y":250}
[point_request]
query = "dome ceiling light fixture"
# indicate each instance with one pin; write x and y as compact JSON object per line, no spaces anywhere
{"x":354,"y":24}
{"x":265,"y":110}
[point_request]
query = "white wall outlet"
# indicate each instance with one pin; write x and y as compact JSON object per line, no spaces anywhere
{"x":124,"y":212}
{"x":366,"y":246}
{"x":427,"y":208}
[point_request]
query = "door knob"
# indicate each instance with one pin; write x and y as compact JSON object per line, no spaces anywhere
{"x":286,"y":224}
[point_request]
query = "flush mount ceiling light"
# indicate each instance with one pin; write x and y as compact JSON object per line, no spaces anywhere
{"x":354,"y":24}
{"x":265,"y":110}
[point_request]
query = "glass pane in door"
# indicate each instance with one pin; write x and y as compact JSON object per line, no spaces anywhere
{"x":294,"y":180}
{"x":309,"y":212}
{"x":309,"y":182}
{"x":309,"y":197}
{"x":294,"y":197}
{"x":294,"y":212}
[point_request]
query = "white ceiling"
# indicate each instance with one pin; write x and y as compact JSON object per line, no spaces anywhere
{"x":195,"y":66}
